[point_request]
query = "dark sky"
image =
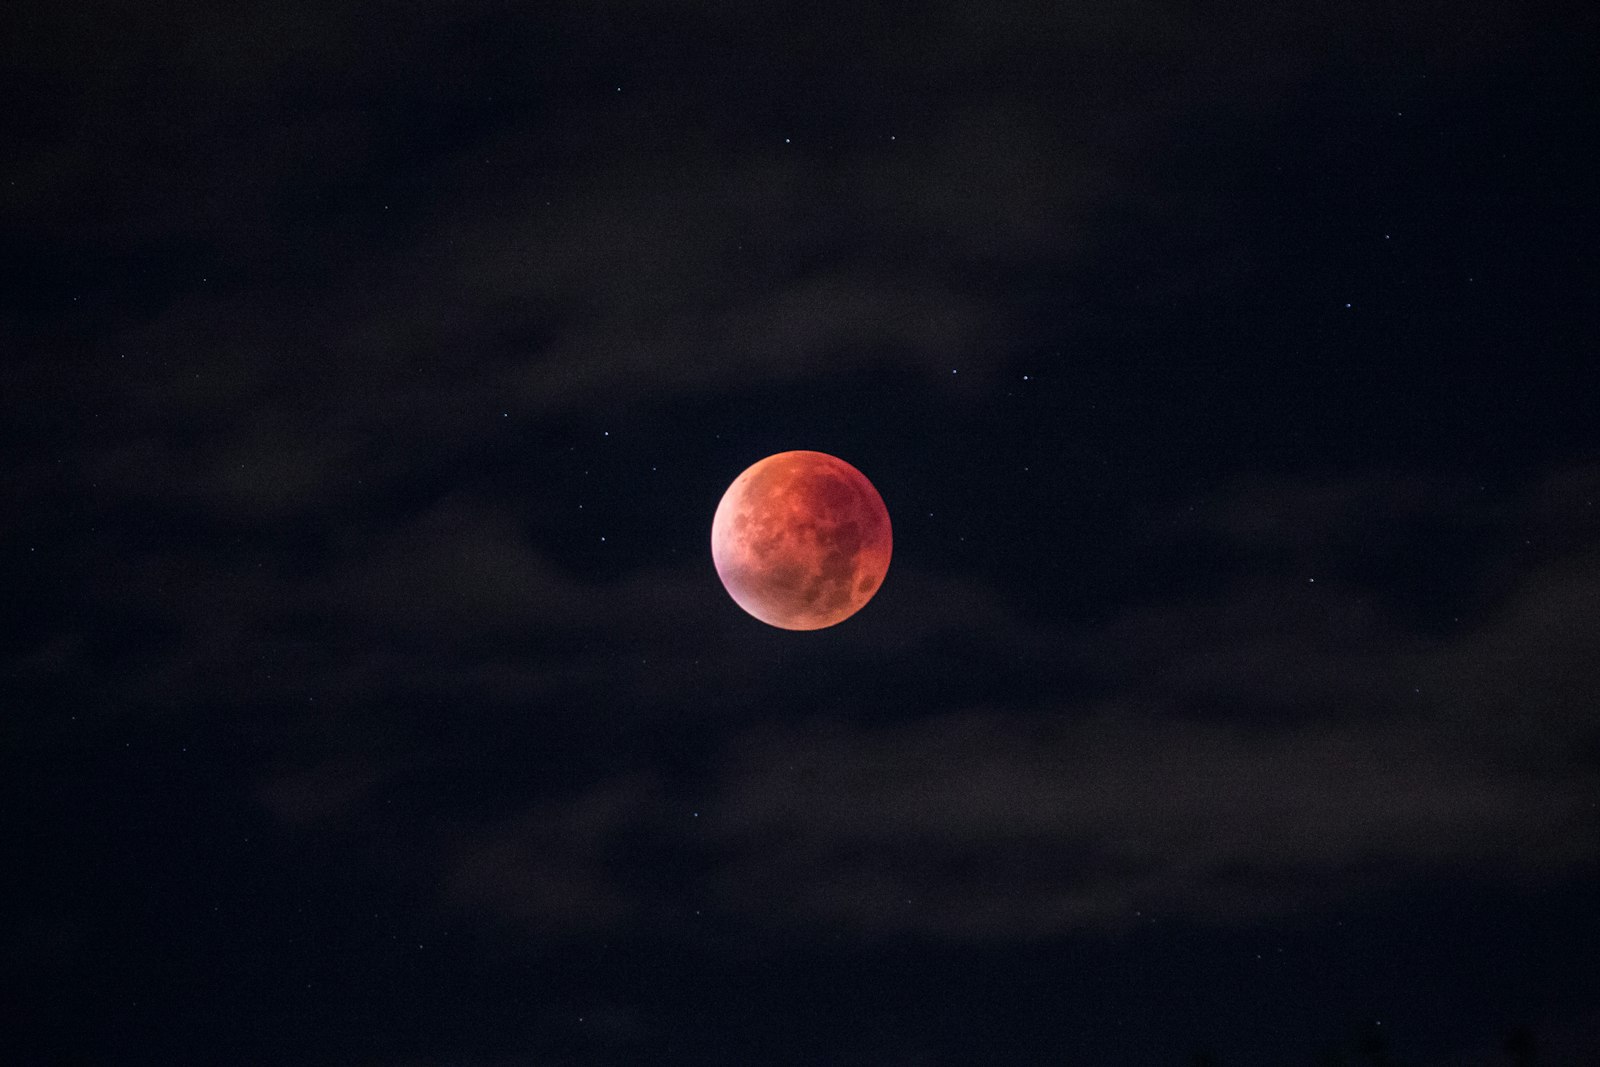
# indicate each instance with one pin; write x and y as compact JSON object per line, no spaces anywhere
{"x":370,"y":377}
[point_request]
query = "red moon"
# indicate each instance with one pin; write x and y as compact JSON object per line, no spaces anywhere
{"x":801,"y":540}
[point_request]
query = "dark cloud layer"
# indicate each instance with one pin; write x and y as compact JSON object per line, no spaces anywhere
{"x":370,"y":381}
{"x":1268,"y":749}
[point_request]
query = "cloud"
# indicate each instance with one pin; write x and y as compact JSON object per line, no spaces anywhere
{"x":1272,"y":748}
{"x":549,"y":865}
{"x":1264,"y":745}
{"x":280,"y":325}
{"x":986,"y":825}
{"x":298,"y":367}
{"x":326,"y":790}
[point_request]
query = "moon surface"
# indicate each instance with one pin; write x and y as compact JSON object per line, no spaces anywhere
{"x":801,"y":540}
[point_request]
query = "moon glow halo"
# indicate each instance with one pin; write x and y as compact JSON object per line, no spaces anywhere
{"x":801,"y":540}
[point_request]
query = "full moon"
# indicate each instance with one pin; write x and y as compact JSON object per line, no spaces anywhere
{"x":801,"y":540}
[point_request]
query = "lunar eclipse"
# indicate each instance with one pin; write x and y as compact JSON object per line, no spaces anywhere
{"x":801,"y":540}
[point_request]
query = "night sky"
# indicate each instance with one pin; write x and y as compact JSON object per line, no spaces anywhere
{"x":369,"y":377}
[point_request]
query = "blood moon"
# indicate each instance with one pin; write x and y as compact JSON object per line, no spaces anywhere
{"x":801,"y":540}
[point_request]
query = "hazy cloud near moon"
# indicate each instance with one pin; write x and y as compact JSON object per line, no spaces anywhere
{"x":369,"y":382}
{"x":308,"y":546}
{"x":639,"y":266}
{"x":1399,"y":753}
